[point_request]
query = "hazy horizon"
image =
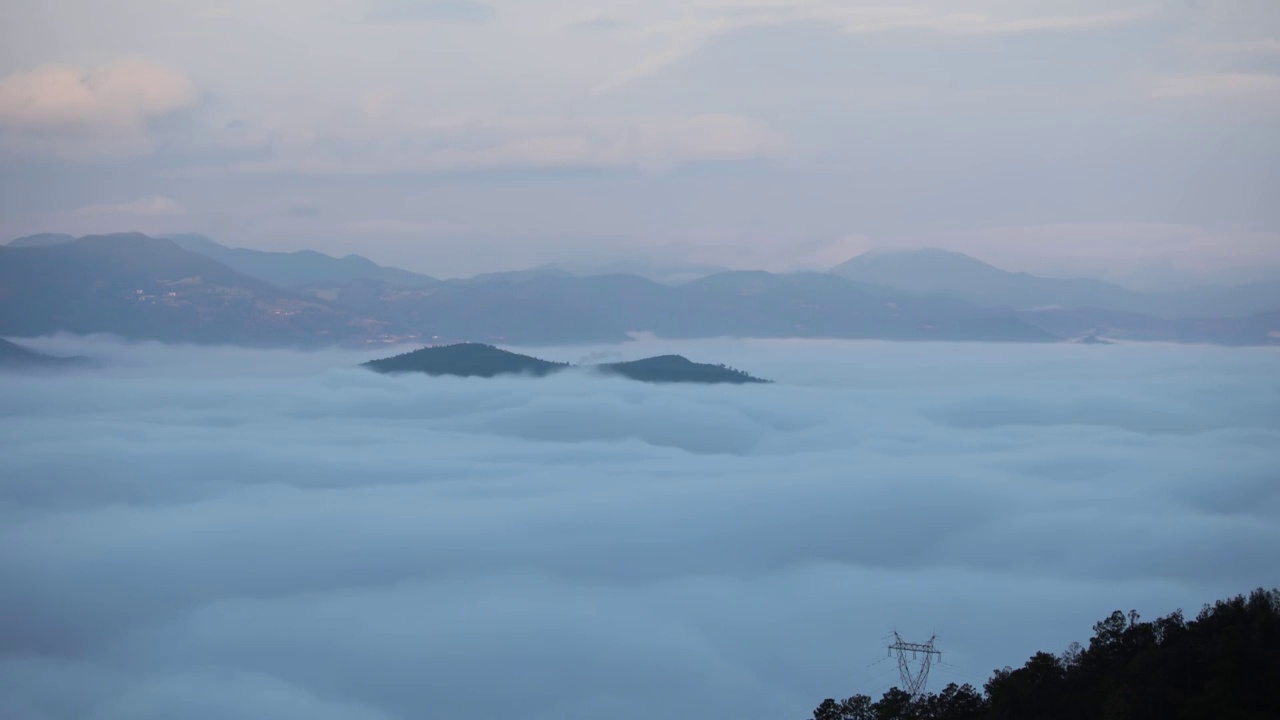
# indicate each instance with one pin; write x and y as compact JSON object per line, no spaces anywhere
{"x":1155,"y":277}
{"x":1135,"y":141}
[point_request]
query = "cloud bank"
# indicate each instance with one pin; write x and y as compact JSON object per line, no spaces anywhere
{"x":209,"y":533}
{"x":742,"y":132}
{"x":466,"y":11}
{"x":145,"y":206}
{"x":388,"y":136}
{"x":72,"y":112}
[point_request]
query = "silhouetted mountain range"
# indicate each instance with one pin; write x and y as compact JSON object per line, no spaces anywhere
{"x":301,"y":268}
{"x":142,"y":287}
{"x":487,"y":361}
{"x":42,"y":240}
{"x":189,"y":288}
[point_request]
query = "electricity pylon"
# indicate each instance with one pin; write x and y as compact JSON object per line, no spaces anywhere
{"x":914,"y":678}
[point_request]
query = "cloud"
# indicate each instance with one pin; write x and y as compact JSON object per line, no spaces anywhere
{"x":1221,"y":85}
{"x":228,"y":532}
{"x":403,"y":227}
{"x":301,"y":208}
{"x":462,"y":11}
{"x":149,"y":206}
{"x":599,"y":22}
{"x":964,"y":24}
{"x":681,"y":34}
{"x":106,"y":111}
{"x":1032,"y":121}
{"x":1260,"y":46}
{"x":400,"y":139}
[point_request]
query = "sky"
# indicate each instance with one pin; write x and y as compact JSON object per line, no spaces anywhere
{"x":218,"y":532}
{"x":1136,"y":140}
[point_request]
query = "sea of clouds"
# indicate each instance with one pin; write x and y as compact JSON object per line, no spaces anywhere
{"x":221,"y":533}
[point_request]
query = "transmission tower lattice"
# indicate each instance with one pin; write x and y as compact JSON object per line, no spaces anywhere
{"x":914,"y":660}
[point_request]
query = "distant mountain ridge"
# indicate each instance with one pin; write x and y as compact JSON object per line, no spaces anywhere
{"x":487,"y":361}
{"x":931,"y":271}
{"x":553,"y":308}
{"x":300,"y":268}
{"x":286,"y":269}
{"x":143,"y":287}
{"x":41,"y":240}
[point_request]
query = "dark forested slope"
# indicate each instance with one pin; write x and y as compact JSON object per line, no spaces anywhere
{"x":1222,"y":665}
{"x":676,"y":368}
{"x":465,"y":360}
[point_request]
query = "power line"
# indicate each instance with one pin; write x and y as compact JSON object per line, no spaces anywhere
{"x":914,"y":660}
{"x":964,"y":674}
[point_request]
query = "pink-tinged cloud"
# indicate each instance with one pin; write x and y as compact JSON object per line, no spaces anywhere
{"x":1217,"y":85}
{"x":73,"y":111}
{"x":149,"y":206}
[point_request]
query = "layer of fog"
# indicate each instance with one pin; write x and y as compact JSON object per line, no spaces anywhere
{"x":213,"y":533}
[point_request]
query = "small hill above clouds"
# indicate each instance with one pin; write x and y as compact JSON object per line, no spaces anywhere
{"x":487,"y":361}
{"x":676,"y":368}
{"x":301,"y":268}
{"x":465,"y":360}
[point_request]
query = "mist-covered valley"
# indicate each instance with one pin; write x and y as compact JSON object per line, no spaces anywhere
{"x":215,"y":532}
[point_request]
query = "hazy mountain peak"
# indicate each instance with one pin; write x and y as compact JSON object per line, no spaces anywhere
{"x":915,"y":260}
{"x":122,"y":238}
{"x":301,"y":267}
{"x":193,"y":241}
{"x":41,"y":240}
{"x":918,"y":252}
{"x":933,"y":271}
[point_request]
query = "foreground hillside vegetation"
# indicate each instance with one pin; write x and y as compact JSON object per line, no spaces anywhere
{"x":1222,"y":665}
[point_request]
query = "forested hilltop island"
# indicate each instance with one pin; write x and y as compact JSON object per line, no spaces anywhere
{"x":1223,"y":665}
{"x":480,"y":360}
